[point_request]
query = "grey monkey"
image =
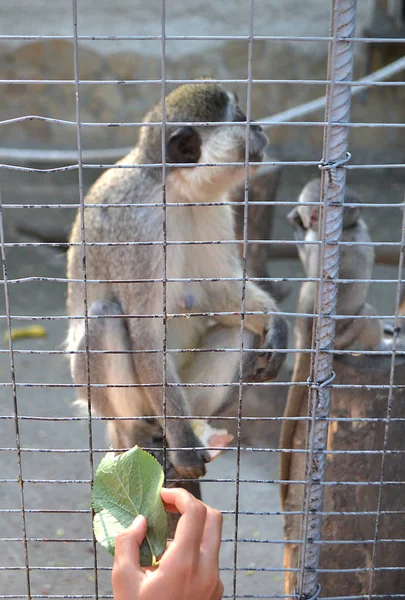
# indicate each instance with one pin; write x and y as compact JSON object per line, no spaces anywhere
{"x":356,"y":262}
{"x":120,"y":305}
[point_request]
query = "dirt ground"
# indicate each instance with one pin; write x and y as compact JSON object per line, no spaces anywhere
{"x":57,"y":515}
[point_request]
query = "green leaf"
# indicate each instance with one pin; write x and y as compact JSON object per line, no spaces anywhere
{"x":125,"y":486}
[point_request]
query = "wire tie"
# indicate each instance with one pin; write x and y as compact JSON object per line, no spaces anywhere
{"x":314,"y":595}
{"x":322,"y":384}
{"x":332,"y":165}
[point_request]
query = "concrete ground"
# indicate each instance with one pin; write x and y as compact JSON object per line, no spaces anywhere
{"x":60,"y":549}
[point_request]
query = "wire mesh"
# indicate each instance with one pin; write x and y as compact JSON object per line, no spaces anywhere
{"x":340,"y":521}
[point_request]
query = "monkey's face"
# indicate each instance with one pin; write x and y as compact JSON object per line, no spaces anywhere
{"x":229,"y":144}
{"x":304,"y":218}
{"x":308,"y":216}
{"x":218,"y":145}
{"x":256,"y":140}
{"x":310,"y":203}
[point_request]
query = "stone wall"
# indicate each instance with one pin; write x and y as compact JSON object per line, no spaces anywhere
{"x":128,"y":60}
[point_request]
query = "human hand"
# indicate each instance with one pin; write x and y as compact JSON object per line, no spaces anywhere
{"x":189,"y":567}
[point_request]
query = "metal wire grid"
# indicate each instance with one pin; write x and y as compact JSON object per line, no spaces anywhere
{"x":339,"y":84}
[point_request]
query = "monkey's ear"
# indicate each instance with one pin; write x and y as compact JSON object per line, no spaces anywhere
{"x":184,"y":146}
{"x":351,"y":215}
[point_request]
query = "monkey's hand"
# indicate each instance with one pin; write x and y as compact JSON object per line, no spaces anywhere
{"x":190,"y":464}
{"x":265,"y":366}
{"x":181,"y":464}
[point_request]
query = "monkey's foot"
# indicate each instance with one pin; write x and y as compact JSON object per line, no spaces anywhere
{"x":189,"y":464}
{"x":268,"y":363}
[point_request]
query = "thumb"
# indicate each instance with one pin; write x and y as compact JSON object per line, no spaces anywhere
{"x":129,"y":541}
{"x":139,"y":527}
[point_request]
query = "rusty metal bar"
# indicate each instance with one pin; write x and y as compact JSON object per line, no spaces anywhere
{"x":335,"y":155}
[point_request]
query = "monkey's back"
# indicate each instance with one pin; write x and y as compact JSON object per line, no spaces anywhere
{"x":356,"y":262}
{"x":113,"y":228}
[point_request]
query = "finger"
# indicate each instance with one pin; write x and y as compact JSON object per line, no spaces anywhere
{"x":168,"y":499}
{"x":170,"y":507}
{"x":173,"y":499}
{"x":211,"y":540}
{"x":190,"y":528}
{"x":127,"y":544}
{"x":219,"y":592}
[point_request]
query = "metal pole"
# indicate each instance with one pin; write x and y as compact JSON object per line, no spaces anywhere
{"x":335,"y":155}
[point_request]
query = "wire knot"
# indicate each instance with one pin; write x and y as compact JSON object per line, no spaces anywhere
{"x":319,"y":385}
{"x":314,"y":595}
{"x":332,"y":165}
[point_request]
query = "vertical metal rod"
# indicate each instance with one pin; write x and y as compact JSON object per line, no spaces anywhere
{"x":243,"y":299}
{"x":15,"y":402}
{"x":164,"y":208}
{"x":335,"y":146}
{"x":83,"y":247}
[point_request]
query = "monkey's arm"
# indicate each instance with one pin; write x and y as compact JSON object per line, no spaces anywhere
{"x":229,"y":299}
{"x":270,"y":328}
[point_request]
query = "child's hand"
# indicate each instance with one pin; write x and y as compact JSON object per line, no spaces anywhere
{"x":188,"y":570}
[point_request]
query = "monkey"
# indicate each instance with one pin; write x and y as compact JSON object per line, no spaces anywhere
{"x":356,"y":262}
{"x":125,"y":259}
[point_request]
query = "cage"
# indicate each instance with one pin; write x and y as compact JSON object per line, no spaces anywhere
{"x":319,"y":511}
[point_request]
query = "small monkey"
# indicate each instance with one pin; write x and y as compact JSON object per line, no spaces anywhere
{"x":120,"y":305}
{"x":356,"y":262}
